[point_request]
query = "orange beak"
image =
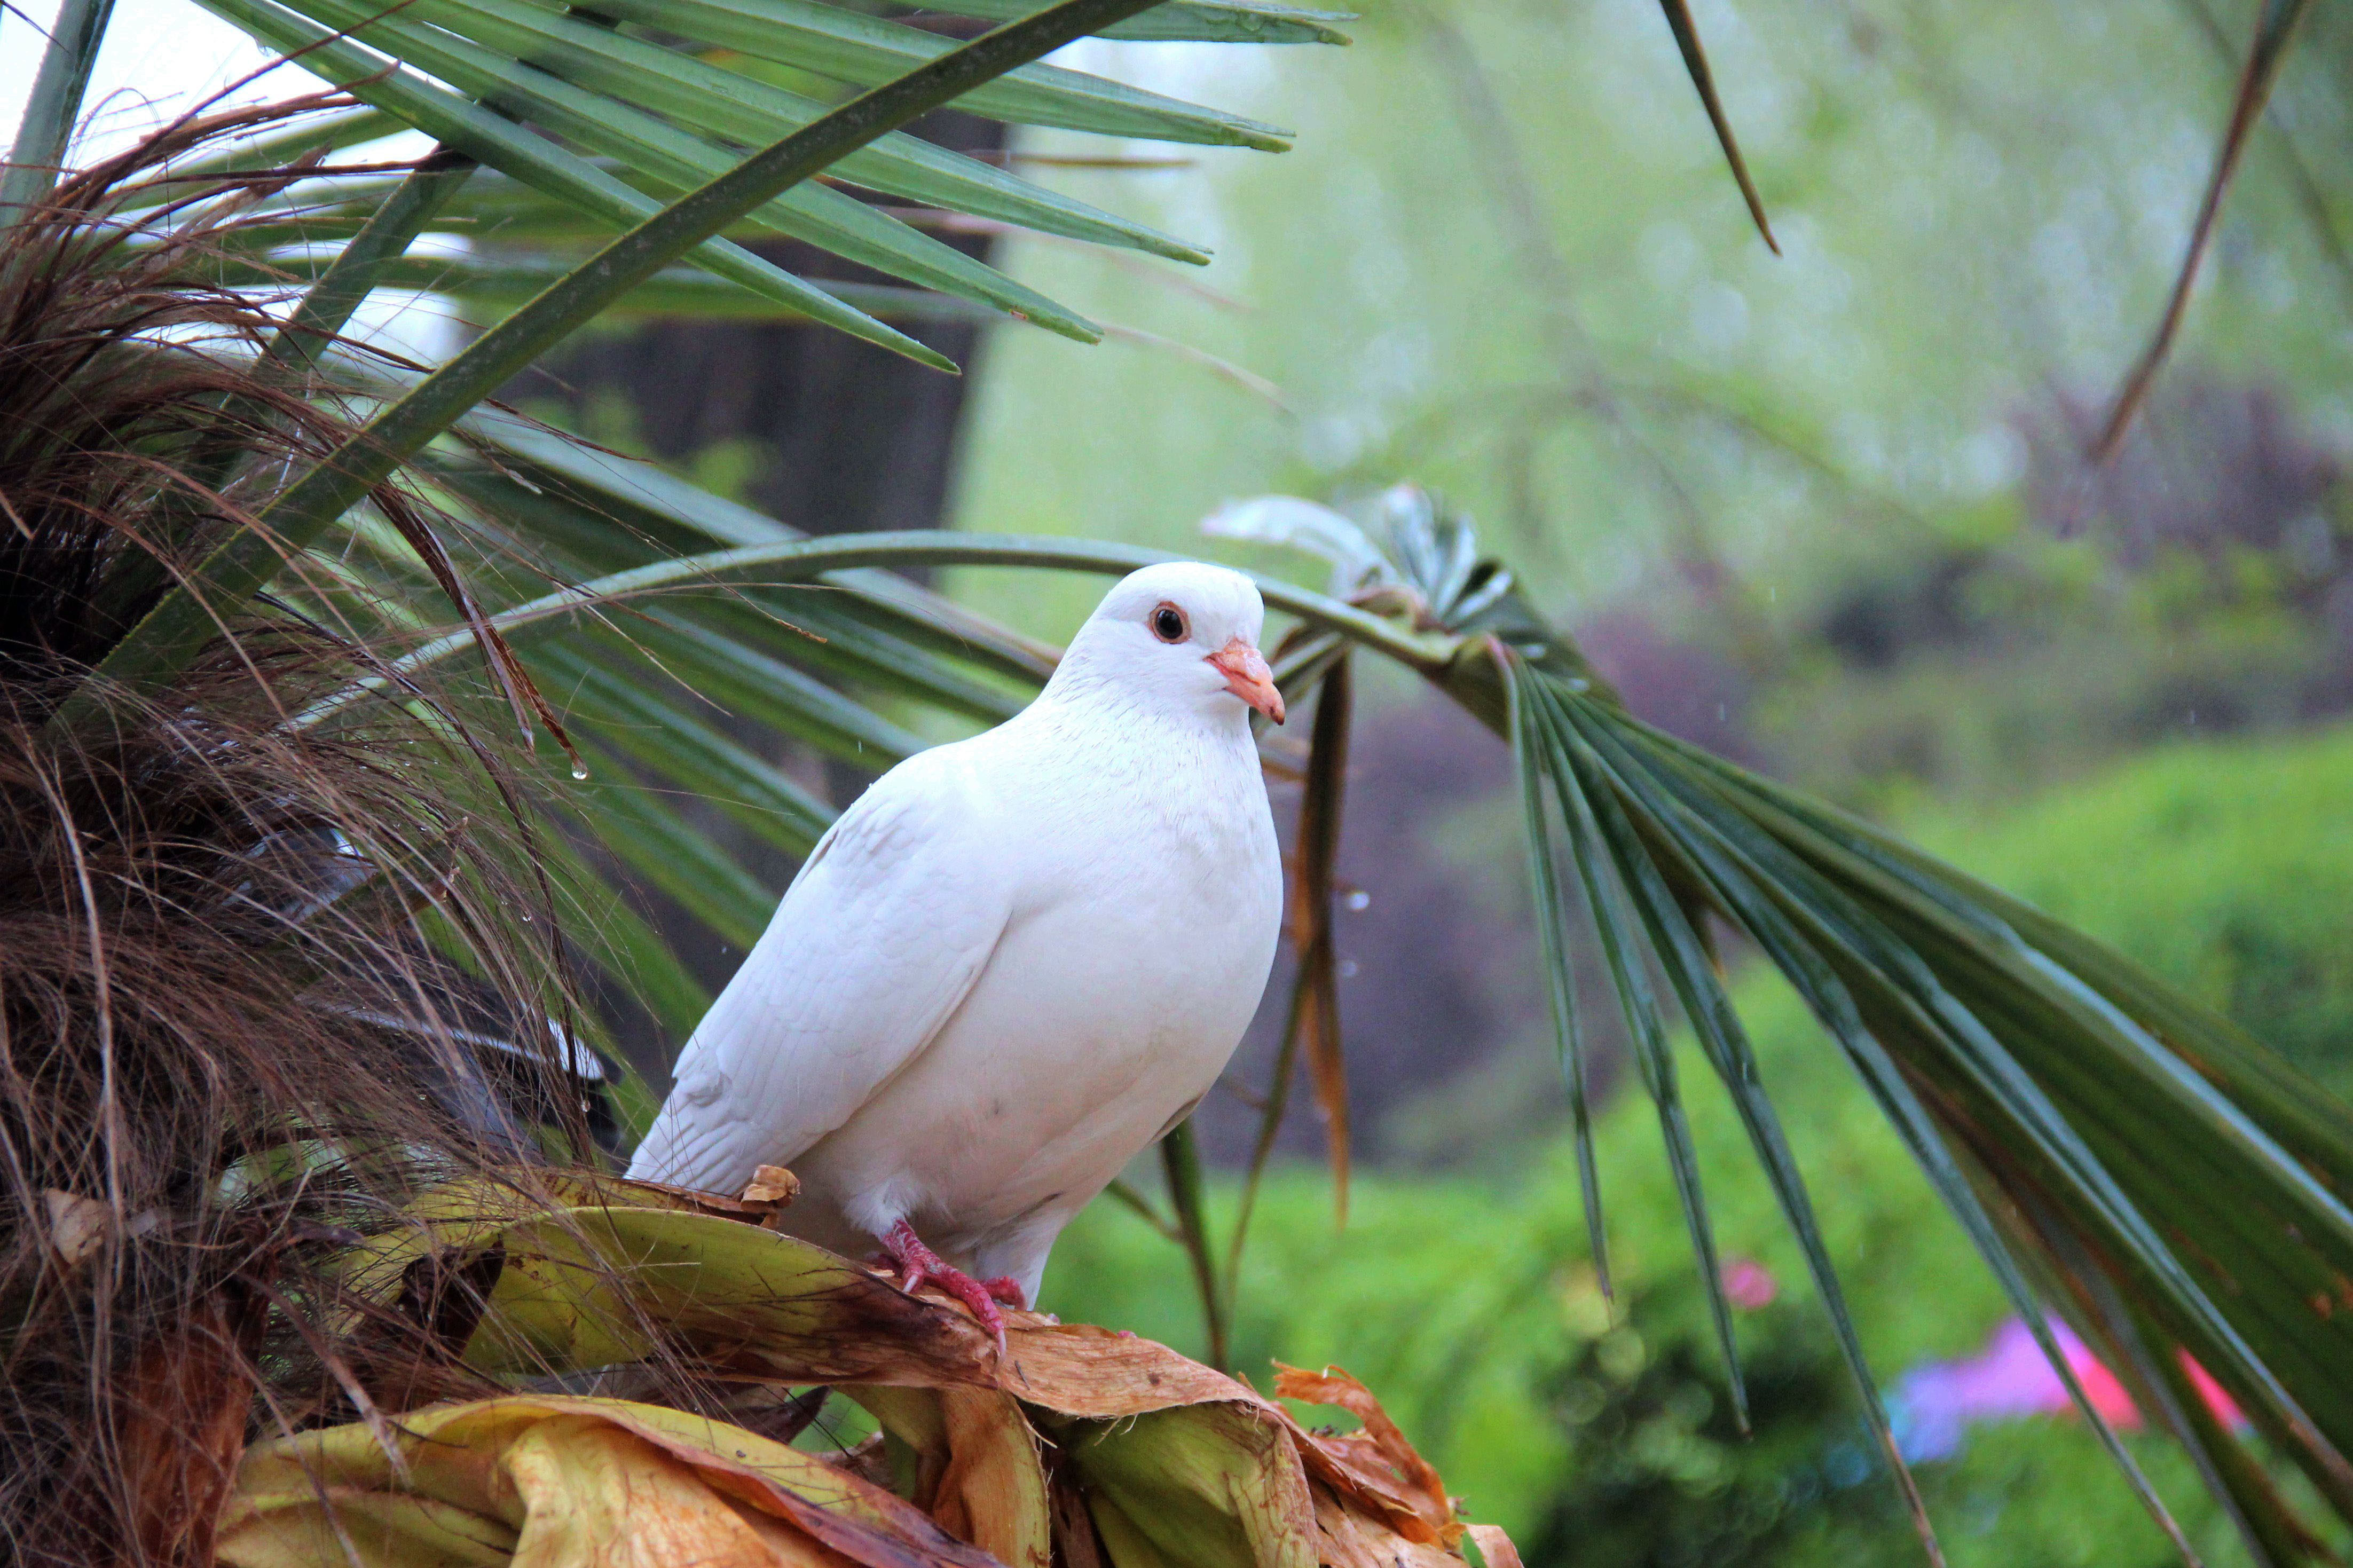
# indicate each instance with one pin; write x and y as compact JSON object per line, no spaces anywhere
{"x":1248,"y":677}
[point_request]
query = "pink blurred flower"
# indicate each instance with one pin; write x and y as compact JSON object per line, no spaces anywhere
{"x":1934,"y":1404}
{"x":1748,"y":1284}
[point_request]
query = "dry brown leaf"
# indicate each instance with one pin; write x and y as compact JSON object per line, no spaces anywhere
{"x":1395,"y":1501}
{"x":1419,"y":1476}
{"x":773,"y":1185}
{"x":1153,"y":1461}
{"x":1352,"y":1467}
{"x":593,"y":1493}
{"x":994,"y":1492}
{"x":1495,"y":1545}
{"x":1348,"y":1538}
{"x":1076,"y":1369}
{"x":182,"y":1414}
{"x":662,"y":1194}
{"x":565,"y":1483}
{"x":1319,"y":843}
{"x":978,"y":1472}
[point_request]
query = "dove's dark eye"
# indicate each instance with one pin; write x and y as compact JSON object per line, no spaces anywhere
{"x":1169,"y":624}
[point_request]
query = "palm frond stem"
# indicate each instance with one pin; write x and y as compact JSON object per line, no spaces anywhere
{"x":801,"y":559}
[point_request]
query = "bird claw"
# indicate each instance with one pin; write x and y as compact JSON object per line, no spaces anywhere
{"x":920,"y":1264}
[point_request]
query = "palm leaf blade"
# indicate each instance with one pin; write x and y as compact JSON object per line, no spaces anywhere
{"x":1621,"y":951}
{"x":325,"y":133}
{"x":642,"y":830}
{"x":1560,"y":990}
{"x":746,"y":111}
{"x":2081,"y":1118}
{"x":1703,"y":80}
{"x":2027,"y":1121}
{"x":1749,"y":874}
{"x":525,"y":155}
{"x":678,"y":162}
{"x":721,"y":670}
{"x":48,"y":123}
{"x":863,"y":50}
{"x":695,"y":759}
{"x":682,"y":516}
{"x":751,"y":641}
{"x":622,"y":944}
{"x":1195,"y":21}
{"x":2274,"y":29}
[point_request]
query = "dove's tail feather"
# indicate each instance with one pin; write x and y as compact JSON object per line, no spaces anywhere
{"x":698,"y":1150}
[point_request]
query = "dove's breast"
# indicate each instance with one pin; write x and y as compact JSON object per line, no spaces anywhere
{"x":1133,"y":959}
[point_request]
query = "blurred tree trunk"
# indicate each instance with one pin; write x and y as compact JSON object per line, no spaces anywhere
{"x":845,"y":436}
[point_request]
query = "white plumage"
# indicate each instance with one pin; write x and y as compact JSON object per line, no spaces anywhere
{"x":1014,"y":962}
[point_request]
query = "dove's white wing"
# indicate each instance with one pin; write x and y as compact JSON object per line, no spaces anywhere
{"x":877,"y":942}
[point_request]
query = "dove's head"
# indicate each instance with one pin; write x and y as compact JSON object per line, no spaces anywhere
{"x":1182,"y":633}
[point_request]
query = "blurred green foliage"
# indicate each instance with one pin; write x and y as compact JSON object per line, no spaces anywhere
{"x":1602,"y":1436}
{"x":1504,"y":260}
{"x":1985,"y":668}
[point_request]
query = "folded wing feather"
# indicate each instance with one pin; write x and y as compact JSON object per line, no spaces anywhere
{"x":879,"y":938}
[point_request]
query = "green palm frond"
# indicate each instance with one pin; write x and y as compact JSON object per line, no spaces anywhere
{"x":605,"y":122}
{"x":722,"y":192}
{"x":602,"y":119}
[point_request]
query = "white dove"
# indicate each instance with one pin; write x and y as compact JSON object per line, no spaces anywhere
{"x":1014,"y":962}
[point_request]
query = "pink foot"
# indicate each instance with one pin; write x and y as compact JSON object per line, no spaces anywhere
{"x":918,"y":1263}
